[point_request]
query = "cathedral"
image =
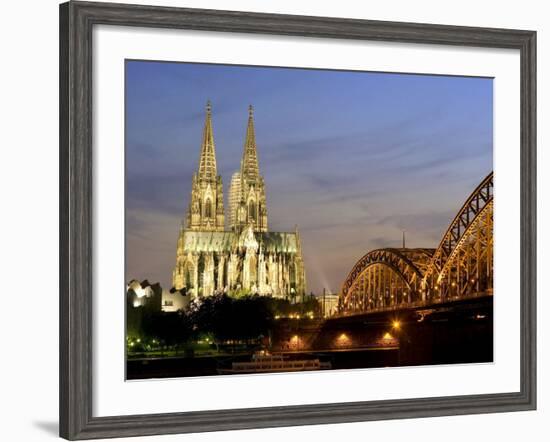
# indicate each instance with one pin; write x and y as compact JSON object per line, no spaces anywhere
{"x":245,"y":258}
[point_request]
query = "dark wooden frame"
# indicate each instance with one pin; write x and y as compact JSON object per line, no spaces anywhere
{"x":76,"y":22}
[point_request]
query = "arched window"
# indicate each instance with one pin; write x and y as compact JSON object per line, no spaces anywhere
{"x":208,"y":209}
{"x":252,"y":210}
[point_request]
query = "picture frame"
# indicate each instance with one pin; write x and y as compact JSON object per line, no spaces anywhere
{"x":77,"y":20}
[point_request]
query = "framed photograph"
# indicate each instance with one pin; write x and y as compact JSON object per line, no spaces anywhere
{"x":271,"y":220}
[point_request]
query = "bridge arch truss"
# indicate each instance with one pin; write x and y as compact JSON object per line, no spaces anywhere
{"x":461,"y":267}
{"x":382,"y":278}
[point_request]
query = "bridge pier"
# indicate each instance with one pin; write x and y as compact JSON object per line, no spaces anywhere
{"x":457,"y":332}
{"x":459,"y":335}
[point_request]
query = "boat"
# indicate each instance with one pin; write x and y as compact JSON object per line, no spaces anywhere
{"x":265,"y":362}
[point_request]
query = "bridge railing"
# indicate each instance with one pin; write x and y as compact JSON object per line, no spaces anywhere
{"x":413,"y":305}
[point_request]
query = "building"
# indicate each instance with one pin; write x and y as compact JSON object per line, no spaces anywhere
{"x":174,"y":300}
{"x":246,"y":257}
{"x":329,"y":304}
{"x":144,"y":294}
{"x":154,"y":298}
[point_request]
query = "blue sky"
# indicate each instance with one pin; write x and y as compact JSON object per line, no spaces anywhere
{"x":352,"y":158}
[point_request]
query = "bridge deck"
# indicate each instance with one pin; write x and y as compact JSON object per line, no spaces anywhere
{"x":419,"y":305}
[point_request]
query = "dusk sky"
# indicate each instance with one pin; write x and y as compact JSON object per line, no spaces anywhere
{"x":352,"y":158}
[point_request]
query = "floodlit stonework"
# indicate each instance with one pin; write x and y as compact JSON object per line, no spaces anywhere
{"x":246,"y":258}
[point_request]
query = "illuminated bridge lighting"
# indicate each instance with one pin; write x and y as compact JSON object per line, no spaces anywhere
{"x":461,"y":267}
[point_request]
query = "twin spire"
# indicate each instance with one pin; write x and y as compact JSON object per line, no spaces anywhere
{"x":207,"y":162}
{"x":246,"y":193}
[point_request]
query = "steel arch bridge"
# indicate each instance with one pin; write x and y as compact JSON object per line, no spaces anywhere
{"x":460,"y":268}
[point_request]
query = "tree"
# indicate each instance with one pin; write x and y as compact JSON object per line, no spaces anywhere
{"x":171,"y":328}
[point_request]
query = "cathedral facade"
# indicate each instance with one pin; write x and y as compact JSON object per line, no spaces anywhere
{"x":245,"y":258}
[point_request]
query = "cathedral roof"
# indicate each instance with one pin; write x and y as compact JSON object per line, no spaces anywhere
{"x":196,"y":241}
{"x":274,"y":242}
{"x":269,"y":242}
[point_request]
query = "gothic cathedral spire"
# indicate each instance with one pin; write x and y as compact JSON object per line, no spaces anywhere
{"x":249,"y":164}
{"x":207,"y":162}
{"x":247,"y":191}
{"x":206,"y":205}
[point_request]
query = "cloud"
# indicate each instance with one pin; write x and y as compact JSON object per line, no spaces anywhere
{"x":150,"y":245}
{"x":158,"y":193}
{"x":382,"y":242}
{"x":352,"y":158}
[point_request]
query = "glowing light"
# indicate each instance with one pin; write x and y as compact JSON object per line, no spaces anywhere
{"x":388,"y":336}
{"x":343,"y":340}
{"x":396,"y":325}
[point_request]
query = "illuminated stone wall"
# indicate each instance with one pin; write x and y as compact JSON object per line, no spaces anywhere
{"x":267,"y":263}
